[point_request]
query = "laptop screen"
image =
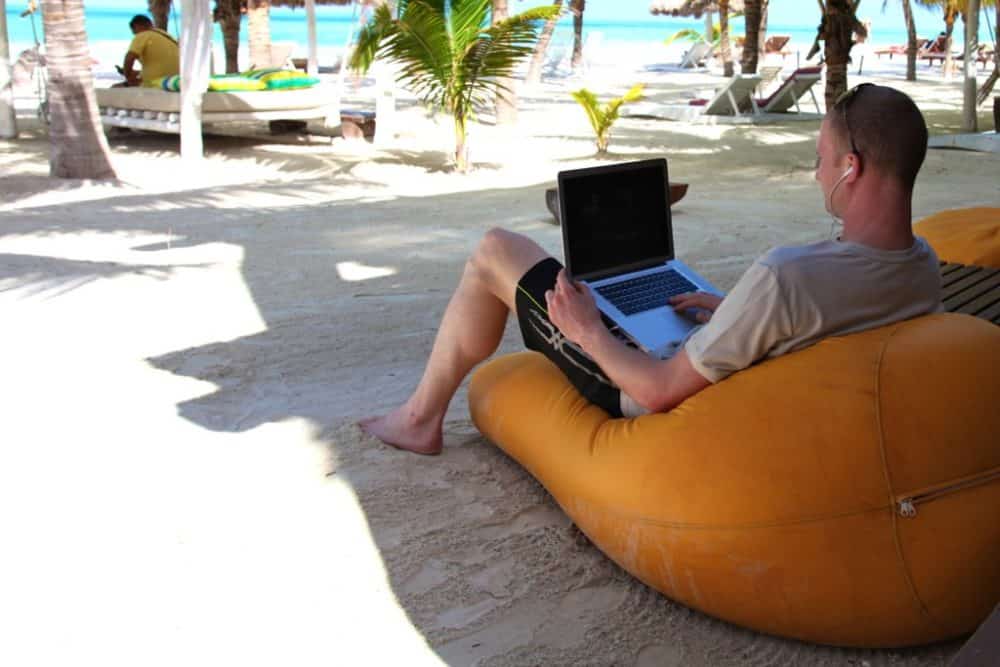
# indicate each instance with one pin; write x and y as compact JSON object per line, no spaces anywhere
{"x":615,"y":219}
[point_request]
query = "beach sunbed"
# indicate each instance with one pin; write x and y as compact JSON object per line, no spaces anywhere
{"x":732,"y":103}
{"x":775,"y":44}
{"x":697,"y":55}
{"x":787,"y":95}
{"x":768,"y":75}
{"x":159,"y":110}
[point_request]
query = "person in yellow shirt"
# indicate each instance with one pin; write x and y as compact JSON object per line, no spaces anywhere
{"x":155,"y":49}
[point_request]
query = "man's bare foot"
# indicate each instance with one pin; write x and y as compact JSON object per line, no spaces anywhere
{"x":400,"y":430}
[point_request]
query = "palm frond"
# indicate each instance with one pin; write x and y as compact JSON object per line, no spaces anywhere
{"x":689,"y":34}
{"x":499,"y":48}
{"x":420,"y":44}
{"x":467,"y":19}
{"x":588,"y":100}
{"x":370,"y":39}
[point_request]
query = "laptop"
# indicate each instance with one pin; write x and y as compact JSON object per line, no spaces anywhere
{"x":618,"y":239}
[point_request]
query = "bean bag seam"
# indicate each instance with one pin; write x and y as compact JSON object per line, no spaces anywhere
{"x":735,"y":526}
{"x":888,"y":480}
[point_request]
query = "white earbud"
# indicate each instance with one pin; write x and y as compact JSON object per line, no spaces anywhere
{"x":847,"y":173}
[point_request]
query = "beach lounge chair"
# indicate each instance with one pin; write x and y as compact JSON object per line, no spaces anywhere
{"x":733,"y":103}
{"x":787,"y":95}
{"x":933,"y":49}
{"x":775,"y":45}
{"x":768,"y":75}
{"x":697,"y":55}
{"x":159,"y":110}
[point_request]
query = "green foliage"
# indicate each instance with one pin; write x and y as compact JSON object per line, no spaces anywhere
{"x":603,"y":117}
{"x":449,"y":54}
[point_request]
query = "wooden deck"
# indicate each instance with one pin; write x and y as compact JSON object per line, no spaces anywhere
{"x":974,"y":290}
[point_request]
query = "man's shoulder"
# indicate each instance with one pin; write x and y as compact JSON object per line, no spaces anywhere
{"x":782,"y":256}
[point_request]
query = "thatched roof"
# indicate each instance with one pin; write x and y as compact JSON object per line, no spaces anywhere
{"x":693,"y":8}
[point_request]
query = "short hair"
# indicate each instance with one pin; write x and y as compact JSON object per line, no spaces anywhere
{"x":885,"y":127}
{"x":140,"y":20}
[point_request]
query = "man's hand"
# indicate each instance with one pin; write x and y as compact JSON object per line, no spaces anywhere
{"x":703,"y":305}
{"x":572,"y":309}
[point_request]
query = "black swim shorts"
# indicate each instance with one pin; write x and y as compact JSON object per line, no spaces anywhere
{"x":542,"y":336}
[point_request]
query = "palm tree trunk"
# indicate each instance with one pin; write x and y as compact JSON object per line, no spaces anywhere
{"x":839,"y":26}
{"x":534,"y":76}
{"x":461,"y":158}
{"x":751,"y":17}
{"x":227,"y":13}
{"x":8,"y":119}
{"x":160,"y":11}
{"x":577,"y":7}
{"x":762,"y":30}
{"x":79,"y":147}
{"x":949,"y":27}
{"x":911,"y":42}
{"x":969,"y":121}
{"x":259,"y":29}
{"x":506,"y":100}
{"x":727,"y":53}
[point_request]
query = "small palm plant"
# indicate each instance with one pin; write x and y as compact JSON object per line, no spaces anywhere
{"x":603,"y":117}
{"x":451,"y":57}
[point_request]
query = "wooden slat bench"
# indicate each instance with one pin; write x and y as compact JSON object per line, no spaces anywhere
{"x":974,"y":290}
{"x":983,"y":649}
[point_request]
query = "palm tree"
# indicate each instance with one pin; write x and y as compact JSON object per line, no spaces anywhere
{"x":79,"y":147}
{"x":160,"y":11}
{"x":577,"y":7}
{"x":836,"y":30}
{"x":259,"y":32}
{"x":229,"y":14}
{"x":911,"y":38}
{"x":751,"y":46}
{"x":506,"y":97}
{"x":726,"y":50}
{"x":534,"y":75}
{"x":449,"y":53}
{"x":8,"y":119}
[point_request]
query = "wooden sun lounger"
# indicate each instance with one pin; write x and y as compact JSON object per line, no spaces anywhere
{"x":973,"y":290}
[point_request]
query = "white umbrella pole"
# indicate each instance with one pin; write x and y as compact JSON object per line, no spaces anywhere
{"x":196,"y":54}
{"x":313,"y":63}
{"x":8,"y":121}
{"x":969,"y":66}
{"x":709,"y":26}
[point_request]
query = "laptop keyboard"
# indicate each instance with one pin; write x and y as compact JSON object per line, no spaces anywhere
{"x":646,"y":292}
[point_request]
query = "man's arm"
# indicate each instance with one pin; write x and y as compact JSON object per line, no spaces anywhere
{"x":127,"y":69}
{"x":657,"y":385}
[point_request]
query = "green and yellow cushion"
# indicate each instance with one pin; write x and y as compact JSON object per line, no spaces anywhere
{"x":274,"y":78}
{"x":229,"y":82}
{"x":170,"y":83}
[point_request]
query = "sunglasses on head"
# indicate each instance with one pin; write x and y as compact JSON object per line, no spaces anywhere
{"x":844,"y":101}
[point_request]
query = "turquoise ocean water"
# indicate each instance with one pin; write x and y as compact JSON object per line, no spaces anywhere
{"x":105,"y":24}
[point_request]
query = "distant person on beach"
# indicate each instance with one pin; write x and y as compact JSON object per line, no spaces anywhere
{"x":154,"y":48}
{"x":870,"y":147}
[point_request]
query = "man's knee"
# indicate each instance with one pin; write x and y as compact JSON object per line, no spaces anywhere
{"x":494,"y":249}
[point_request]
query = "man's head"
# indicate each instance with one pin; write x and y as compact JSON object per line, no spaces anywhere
{"x":140,"y":23}
{"x":875,"y":128}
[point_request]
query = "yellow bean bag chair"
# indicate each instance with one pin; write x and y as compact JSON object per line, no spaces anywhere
{"x":845,"y":494}
{"x":965,"y":235}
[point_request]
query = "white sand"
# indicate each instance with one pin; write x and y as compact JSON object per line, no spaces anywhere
{"x":184,"y":354}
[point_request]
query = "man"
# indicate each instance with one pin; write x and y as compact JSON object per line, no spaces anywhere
{"x":155,"y":49}
{"x":870,"y":147}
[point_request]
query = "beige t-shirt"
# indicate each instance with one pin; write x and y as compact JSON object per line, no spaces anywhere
{"x":794,"y":296}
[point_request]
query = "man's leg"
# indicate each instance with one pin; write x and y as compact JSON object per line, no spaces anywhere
{"x":470,"y":332}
